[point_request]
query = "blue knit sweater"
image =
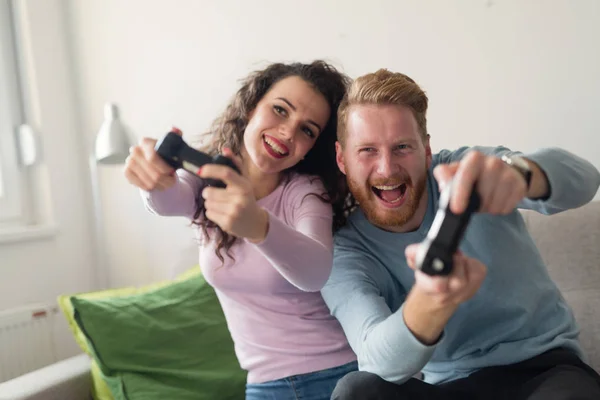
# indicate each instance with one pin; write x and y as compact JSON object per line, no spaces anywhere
{"x":517,"y":313}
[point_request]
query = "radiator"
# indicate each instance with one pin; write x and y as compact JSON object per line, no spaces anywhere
{"x":26,"y":340}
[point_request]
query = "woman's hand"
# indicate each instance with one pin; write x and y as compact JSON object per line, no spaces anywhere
{"x":145,"y":169}
{"x":234,"y":208}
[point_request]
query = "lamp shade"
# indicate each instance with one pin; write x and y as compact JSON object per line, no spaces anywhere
{"x":112,"y":141}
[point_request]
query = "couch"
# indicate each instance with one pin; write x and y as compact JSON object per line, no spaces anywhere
{"x":569,"y":243}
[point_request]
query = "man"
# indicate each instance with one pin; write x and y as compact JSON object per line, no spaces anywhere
{"x":497,"y":327}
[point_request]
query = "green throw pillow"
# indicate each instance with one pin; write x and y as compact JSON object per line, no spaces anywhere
{"x":171,"y":342}
{"x":99,"y":390}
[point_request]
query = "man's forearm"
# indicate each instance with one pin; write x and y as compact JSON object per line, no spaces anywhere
{"x":571,"y":181}
{"x":425,"y":320}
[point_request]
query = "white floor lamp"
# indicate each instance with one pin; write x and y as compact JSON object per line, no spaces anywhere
{"x":111,"y":147}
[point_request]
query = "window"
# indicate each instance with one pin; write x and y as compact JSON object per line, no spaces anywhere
{"x":12,"y":174}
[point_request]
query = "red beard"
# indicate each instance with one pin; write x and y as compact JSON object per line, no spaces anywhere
{"x":392,"y":217}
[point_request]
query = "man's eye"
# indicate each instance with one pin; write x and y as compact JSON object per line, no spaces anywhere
{"x":367,"y":150}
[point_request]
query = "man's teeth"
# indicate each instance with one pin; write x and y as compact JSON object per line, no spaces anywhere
{"x":275,"y":146}
{"x":388,"y":187}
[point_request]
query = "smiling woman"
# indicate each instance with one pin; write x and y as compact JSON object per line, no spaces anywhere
{"x":266,"y":239}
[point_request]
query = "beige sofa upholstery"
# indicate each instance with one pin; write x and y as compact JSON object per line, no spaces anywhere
{"x":570,"y":246}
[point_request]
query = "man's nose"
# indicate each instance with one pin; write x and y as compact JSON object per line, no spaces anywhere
{"x":386,"y":165}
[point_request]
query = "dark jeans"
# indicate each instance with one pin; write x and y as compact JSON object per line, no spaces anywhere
{"x":555,"y":375}
{"x":312,"y":386}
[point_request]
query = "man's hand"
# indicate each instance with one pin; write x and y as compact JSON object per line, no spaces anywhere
{"x":433,"y":299}
{"x":452,"y":290}
{"x":500,"y":186}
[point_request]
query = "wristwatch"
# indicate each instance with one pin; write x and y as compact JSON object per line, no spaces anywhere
{"x":520,"y":165}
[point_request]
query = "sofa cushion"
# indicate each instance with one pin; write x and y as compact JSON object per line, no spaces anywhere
{"x":169,"y":342}
{"x":99,"y":389}
{"x":569,"y":243}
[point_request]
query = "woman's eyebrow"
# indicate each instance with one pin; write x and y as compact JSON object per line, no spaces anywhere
{"x":310,"y":121}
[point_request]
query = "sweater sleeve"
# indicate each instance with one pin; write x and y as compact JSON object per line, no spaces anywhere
{"x":301,"y":249}
{"x":179,"y":200}
{"x":572,"y":180}
{"x":380,"y":338}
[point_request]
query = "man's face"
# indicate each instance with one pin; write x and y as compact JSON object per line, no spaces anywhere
{"x":385,"y":161}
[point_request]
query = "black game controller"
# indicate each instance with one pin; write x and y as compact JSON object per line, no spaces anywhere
{"x":178,"y":154}
{"x":435,"y":255}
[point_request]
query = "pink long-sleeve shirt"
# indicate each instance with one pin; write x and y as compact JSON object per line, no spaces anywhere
{"x":270,"y":294}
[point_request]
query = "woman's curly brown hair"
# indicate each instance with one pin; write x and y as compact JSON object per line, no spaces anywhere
{"x":227,"y":131}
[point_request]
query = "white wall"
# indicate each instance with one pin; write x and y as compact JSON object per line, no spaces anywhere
{"x":518,"y":73}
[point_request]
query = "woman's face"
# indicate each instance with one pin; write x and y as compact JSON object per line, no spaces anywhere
{"x":285,"y":125}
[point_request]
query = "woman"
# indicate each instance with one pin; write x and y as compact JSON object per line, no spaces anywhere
{"x":266,"y":239}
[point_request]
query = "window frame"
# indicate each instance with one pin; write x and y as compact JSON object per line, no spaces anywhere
{"x":14,"y":210}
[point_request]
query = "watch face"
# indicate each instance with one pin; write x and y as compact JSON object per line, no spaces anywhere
{"x":521,"y":165}
{"x":519,"y":162}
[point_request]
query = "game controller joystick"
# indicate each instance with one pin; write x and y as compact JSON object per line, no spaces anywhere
{"x":435,"y":254}
{"x":178,"y":154}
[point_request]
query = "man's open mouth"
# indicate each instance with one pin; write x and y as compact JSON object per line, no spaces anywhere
{"x":391,"y":194}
